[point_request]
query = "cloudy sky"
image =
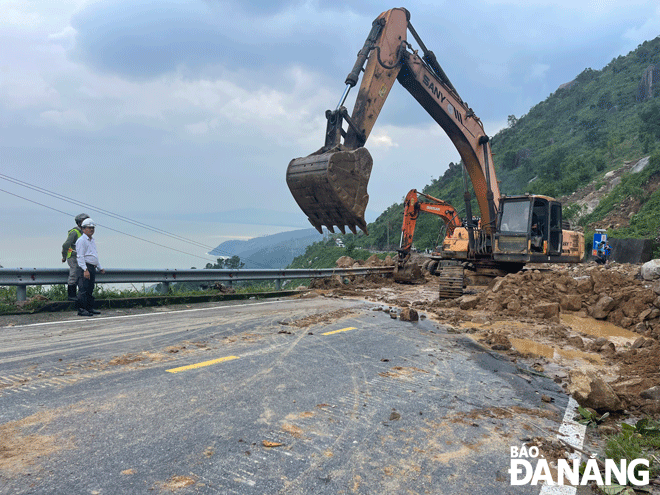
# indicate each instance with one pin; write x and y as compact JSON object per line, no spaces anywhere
{"x":175,"y":112}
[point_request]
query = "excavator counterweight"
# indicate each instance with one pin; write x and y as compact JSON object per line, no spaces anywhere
{"x":331,"y":187}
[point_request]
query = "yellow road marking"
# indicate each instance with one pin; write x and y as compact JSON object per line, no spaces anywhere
{"x":337,"y":331}
{"x":201,"y":365}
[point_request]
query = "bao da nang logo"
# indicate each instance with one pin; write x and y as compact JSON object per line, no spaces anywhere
{"x":568,"y":472}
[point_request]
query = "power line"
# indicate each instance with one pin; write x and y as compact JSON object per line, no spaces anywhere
{"x":100,"y":210}
{"x":118,"y":217}
{"x":104,"y":226}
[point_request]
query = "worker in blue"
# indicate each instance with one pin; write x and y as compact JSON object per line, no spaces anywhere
{"x":69,"y":255}
{"x":604,"y":251}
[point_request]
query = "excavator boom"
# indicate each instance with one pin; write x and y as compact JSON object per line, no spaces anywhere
{"x":330,"y":186}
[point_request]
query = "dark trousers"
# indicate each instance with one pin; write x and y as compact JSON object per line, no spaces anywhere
{"x":85,"y":299}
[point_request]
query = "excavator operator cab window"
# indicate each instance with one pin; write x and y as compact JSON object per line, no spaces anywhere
{"x":539,"y":226}
{"x":514,"y":217}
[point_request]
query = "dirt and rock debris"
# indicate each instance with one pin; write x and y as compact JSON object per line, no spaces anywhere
{"x":593,"y":329}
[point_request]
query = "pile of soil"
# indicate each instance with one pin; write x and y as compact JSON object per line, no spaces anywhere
{"x":603,"y":320}
{"x":614,"y":293}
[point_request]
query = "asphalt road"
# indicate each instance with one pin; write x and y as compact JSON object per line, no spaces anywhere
{"x":251,"y":398}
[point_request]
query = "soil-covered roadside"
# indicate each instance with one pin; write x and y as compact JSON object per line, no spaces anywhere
{"x":581,"y":325}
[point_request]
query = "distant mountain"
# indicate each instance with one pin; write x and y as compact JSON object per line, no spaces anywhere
{"x":254,"y":216}
{"x":270,"y":251}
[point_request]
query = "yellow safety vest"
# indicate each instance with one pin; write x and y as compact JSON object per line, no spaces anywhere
{"x":78,"y":235}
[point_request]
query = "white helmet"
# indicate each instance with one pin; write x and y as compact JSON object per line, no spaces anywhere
{"x":88,"y":222}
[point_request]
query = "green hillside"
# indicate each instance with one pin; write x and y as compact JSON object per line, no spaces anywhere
{"x":586,"y":128}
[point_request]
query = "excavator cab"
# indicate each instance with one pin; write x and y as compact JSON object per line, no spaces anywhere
{"x":529,"y":228}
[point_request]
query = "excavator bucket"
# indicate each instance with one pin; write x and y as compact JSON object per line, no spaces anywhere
{"x":407,"y":271}
{"x":331,"y":187}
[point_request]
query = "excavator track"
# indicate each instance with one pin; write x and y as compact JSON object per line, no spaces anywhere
{"x":451,"y":280}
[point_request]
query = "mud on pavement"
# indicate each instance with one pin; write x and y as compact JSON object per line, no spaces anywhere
{"x":589,"y":327}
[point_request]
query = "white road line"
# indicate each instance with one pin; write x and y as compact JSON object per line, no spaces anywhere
{"x":573,"y":434}
{"x":105,"y":318}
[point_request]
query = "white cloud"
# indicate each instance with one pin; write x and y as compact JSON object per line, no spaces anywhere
{"x":66,"y":118}
{"x":649,"y":30}
{"x":538,"y":71}
{"x":380,"y":140}
{"x":66,"y":36}
{"x":18,"y":13}
{"x":497,"y":71}
{"x":20,"y":89}
{"x":198,"y":128}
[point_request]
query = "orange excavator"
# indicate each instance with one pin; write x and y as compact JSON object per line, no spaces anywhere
{"x":330,"y":185}
{"x":406,"y":271}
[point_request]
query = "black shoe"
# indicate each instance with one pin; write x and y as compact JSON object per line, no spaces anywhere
{"x":94,"y":312}
{"x":84,"y":312}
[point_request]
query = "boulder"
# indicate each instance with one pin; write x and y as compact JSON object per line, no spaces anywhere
{"x":468,"y":302}
{"x":570,"y":302}
{"x":513,"y":305}
{"x":585,"y":285}
{"x":497,"y":284}
{"x":651,"y":270}
{"x":547,"y":310}
{"x":591,"y":391}
{"x":345,"y":262}
{"x":603,"y":307}
{"x":409,"y":314}
{"x":374,"y":261}
{"x":652,"y":393}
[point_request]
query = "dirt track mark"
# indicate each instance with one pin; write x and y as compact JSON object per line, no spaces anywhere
{"x":22,"y":443}
{"x":320,"y":318}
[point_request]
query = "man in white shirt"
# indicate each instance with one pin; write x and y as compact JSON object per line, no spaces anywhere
{"x":88,"y":264}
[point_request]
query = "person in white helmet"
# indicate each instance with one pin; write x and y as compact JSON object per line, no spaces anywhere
{"x":69,"y":255}
{"x":88,"y":264}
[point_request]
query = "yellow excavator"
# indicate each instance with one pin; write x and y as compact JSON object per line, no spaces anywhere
{"x":330,"y":185}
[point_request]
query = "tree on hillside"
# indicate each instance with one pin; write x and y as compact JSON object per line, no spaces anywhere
{"x":650,"y":117}
{"x":232,"y":263}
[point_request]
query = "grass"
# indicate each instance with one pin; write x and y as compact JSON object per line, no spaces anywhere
{"x":39,"y":296}
{"x":641,"y":441}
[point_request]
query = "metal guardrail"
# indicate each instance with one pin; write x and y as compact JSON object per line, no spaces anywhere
{"x":22,"y":277}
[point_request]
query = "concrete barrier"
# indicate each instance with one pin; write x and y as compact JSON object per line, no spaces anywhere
{"x":631,"y":250}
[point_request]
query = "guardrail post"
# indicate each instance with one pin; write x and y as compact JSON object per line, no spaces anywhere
{"x":278,"y":284}
{"x":21,"y":293}
{"x":164,"y":287}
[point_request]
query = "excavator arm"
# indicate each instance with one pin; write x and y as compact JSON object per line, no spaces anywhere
{"x":330,"y":185}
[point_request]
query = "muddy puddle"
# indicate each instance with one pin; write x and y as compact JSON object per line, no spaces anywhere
{"x":525,"y":346}
{"x":599,"y":328}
